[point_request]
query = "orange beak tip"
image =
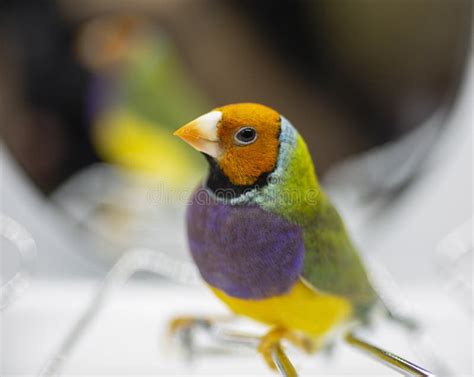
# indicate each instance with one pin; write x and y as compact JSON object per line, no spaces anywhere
{"x":188,"y":132}
{"x":181,"y":133}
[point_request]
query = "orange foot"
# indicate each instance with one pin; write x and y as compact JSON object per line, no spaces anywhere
{"x":189,"y":322}
{"x":270,"y":347}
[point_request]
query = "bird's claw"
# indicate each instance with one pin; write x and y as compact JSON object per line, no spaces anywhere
{"x":188,"y":323}
{"x":183,"y":328}
{"x":271,"y":342}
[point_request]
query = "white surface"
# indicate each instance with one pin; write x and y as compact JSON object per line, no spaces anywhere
{"x":128,"y":336}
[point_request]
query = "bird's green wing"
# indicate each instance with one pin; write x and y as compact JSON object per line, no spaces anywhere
{"x":331,"y":262}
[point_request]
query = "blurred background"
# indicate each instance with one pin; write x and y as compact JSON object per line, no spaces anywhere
{"x":90,"y":93}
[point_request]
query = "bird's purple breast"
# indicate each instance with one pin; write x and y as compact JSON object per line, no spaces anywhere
{"x":243,"y":250}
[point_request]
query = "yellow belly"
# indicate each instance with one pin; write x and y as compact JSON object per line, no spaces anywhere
{"x":303,"y":308}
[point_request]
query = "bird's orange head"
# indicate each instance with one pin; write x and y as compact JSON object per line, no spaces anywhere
{"x":243,"y":139}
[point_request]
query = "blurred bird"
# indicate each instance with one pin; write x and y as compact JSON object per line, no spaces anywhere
{"x":263,"y":234}
{"x":140,"y":93}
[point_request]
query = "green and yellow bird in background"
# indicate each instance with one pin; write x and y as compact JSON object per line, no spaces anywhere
{"x":264,"y":235}
{"x":140,"y":91}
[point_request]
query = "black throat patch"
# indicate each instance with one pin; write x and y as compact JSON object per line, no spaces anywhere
{"x":222,"y":187}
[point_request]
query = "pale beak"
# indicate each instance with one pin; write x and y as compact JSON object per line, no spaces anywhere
{"x":201,"y":133}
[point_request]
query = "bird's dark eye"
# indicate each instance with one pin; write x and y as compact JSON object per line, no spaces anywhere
{"x":245,"y":135}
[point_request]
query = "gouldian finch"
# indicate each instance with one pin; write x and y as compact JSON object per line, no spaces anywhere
{"x":263,"y":234}
{"x":140,"y":93}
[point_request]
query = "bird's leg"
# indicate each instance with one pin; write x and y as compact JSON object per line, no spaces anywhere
{"x":183,"y":328}
{"x":189,"y":322}
{"x":272,"y":340}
